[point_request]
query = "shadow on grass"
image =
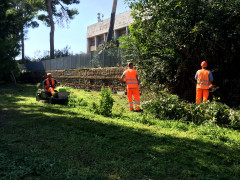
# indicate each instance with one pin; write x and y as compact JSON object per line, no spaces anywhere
{"x":78,"y":148}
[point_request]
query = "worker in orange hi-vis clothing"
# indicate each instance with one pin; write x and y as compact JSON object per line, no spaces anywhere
{"x":50,"y":84}
{"x":204,"y":80}
{"x":130,"y":76}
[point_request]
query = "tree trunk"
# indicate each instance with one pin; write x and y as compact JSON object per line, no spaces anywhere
{"x":50,"y":13}
{"x":14,"y":79}
{"x":23,"y":49}
{"x":112,"y":21}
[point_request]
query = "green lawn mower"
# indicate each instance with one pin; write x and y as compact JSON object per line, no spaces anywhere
{"x":60,"y":97}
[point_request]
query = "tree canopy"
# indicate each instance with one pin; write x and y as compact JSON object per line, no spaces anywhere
{"x":170,"y":39}
{"x":57,"y":11}
{"x":18,"y":15}
{"x":27,"y":9}
{"x":9,"y":39}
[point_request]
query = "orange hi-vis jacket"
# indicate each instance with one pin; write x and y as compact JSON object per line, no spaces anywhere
{"x":203,"y":79}
{"x":48,"y":83}
{"x":131,"y":79}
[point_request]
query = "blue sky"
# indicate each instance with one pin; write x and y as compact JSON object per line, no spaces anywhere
{"x":75,"y":34}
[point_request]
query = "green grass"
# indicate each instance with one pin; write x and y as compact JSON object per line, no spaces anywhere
{"x":44,"y":141}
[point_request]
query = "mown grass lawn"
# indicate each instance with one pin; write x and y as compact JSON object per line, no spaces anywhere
{"x":44,"y":141}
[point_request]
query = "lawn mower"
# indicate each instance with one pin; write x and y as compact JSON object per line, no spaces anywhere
{"x":60,"y":97}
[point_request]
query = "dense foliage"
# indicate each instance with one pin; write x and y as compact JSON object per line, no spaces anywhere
{"x":167,"y":106}
{"x":9,"y":40}
{"x":169,"y":39}
{"x":27,"y":11}
{"x":15,"y":17}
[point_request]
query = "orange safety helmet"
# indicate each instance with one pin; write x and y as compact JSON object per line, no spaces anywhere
{"x":204,"y":64}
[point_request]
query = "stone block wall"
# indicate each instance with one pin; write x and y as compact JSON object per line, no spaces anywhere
{"x":84,"y":78}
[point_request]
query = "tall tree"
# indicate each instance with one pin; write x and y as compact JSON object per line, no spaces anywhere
{"x":9,"y":39}
{"x":57,"y":11}
{"x":112,"y":21}
{"x":28,"y":10}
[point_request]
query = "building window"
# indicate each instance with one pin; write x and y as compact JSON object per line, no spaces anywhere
{"x":92,"y":42}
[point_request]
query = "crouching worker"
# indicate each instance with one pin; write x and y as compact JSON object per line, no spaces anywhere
{"x":49,"y":84}
{"x":130,"y":76}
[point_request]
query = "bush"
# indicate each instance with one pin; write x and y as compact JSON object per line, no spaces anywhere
{"x":166,"y":107}
{"x":215,"y":112}
{"x":235,"y":118}
{"x":105,"y":105}
{"x":169,"y":107}
{"x":106,"y":102}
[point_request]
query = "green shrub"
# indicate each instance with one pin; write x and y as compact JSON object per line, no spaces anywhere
{"x":215,"y":112}
{"x":234,"y":117}
{"x":106,"y":102}
{"x":169,"y":107}
{"x":166,"y":106}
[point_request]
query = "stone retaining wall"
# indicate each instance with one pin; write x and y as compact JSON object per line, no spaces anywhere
{"x":84,"y":78}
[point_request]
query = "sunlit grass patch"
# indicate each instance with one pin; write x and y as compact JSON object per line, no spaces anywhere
{"x":45,"y":141}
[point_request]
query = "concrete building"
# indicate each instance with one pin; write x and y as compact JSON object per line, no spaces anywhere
{"x":97,"y":33}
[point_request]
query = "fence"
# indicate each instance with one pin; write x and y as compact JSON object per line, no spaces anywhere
{"x":107,"y":58}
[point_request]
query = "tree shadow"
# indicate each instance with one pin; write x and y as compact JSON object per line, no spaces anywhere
{"x":82,"y":148}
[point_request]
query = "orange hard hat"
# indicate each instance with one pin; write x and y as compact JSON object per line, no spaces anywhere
{"x":204,"y":64}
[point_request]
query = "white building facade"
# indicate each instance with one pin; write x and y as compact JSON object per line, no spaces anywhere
{"x":97,"y":33}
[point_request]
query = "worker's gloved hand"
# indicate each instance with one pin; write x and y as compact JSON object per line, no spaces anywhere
{"x":212,"y":88}
{"x":55,"y":95}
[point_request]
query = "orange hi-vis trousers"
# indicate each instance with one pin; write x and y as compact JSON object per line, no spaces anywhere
{"x":201,"y":94}
{"x":133,"y":92}
{"x":51,"y":90}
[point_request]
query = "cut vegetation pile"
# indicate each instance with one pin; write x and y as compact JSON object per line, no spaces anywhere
{"x":44,"y":141}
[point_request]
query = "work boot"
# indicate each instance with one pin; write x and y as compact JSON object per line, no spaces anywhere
{"x":139,"y":110}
